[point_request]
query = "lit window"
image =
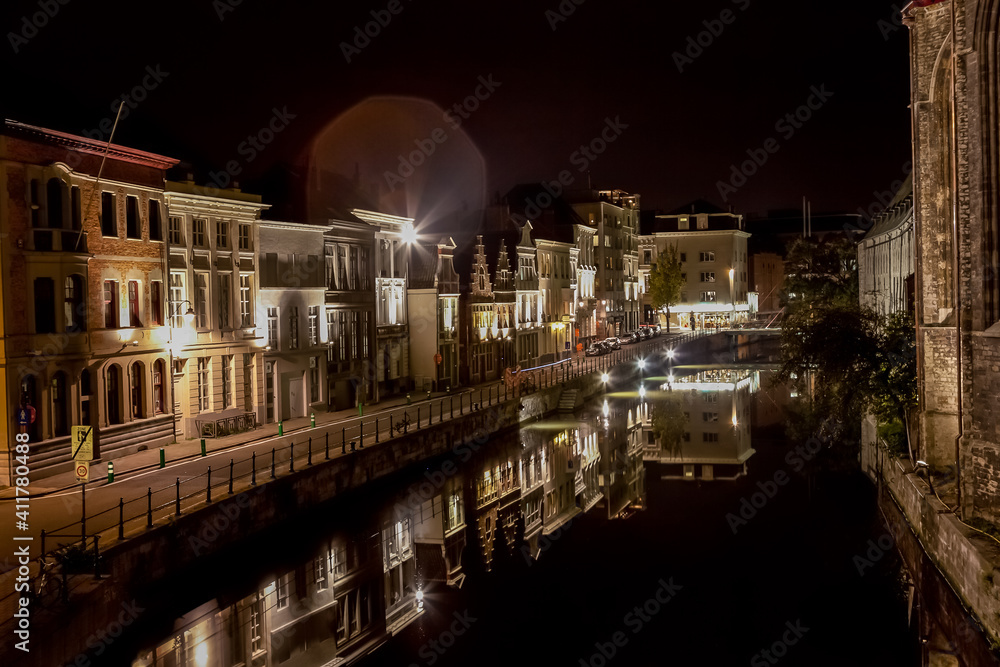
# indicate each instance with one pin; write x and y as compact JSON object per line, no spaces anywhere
{"x":203,"y":402}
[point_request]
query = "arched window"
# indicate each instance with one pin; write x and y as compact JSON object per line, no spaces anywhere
{"x":114,"y":392}
{"x":137,"y":385}
{"x":75,"y":304}
{"x":158,"y":376}
{"x":60,"y":405}
{"x":55,"y":191}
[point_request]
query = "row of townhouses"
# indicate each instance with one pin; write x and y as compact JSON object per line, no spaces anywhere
{"x":187,"y":312}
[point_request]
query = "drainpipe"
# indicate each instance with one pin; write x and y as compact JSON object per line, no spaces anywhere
{"x":957,"y":255}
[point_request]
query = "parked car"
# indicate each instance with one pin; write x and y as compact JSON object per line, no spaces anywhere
{"x":645,"y":333}
{"x":631,"y":337}
{"x":595,"y":350}
{"x":614,"y":343}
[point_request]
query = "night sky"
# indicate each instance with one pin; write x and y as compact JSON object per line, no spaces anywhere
{"x":555,"y":81}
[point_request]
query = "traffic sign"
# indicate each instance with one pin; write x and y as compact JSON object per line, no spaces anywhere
{"x":25,"y":415}
{"x":82,"y":443}
{"x":82,"y":471}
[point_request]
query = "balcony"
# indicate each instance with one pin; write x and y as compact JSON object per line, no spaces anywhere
{"x":58,"y":240}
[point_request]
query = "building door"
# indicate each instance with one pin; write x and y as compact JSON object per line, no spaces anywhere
{"x":296,"y":396}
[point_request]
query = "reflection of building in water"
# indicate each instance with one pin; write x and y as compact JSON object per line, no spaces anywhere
{"x":563,"y":463}
{"x":440,"y":535}
{"x":534,"y":464}
{"x":354,"y":593}
{"x":622,"y":475}
{"x":769,"y":404}
{"x":709,"y":416}
{"x":493,"y":494}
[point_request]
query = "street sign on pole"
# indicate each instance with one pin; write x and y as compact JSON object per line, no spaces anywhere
{"x":82,"y":471}
{"x":82,"y":443}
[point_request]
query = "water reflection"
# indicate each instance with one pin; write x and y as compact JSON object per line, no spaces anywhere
{"x":405,"y":556}
{"x":698,"y":425}
{"x":364,"y":582}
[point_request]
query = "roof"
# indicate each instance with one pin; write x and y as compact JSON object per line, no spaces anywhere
{"x":85,"y":145}
{"x":897,"y":213}
{"x":423,"y":266}
{"x":698,"y":206}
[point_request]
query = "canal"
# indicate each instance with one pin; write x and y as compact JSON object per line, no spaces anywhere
{"x":666,"y":522}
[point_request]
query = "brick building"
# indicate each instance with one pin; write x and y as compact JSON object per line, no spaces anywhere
{"x":83,"y":281}
{"x":956,"y":200}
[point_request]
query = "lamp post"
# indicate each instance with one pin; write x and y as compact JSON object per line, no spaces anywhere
{"x":188,"y":321}
{"x":732,"y":297}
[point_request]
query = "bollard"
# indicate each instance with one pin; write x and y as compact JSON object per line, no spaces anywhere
{"x":281,"y":428}
{"x":253,"y":469}
{"x":312,"y":416}
{"x":163,"y":458}
{"x":121,"y":518}
{"x":291,"y":457}
{"x":111,"y":472}
{"x":178,"y":506}
{"x":203,"y":451}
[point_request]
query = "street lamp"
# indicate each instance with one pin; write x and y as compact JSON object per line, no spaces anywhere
{"x":732,"y":296}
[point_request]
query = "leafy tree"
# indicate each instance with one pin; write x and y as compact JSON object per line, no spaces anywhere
{"x":668,"y":421}
{"x":846,"y":358}
{"x":665,"y":281}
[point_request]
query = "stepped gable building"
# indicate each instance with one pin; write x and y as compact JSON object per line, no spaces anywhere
{"x":433,"y":302}
{"x":83,"y":275}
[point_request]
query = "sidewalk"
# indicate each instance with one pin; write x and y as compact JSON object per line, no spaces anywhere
{"x":188,"y":449}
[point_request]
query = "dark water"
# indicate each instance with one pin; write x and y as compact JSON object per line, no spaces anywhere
{"x":621,"y":541}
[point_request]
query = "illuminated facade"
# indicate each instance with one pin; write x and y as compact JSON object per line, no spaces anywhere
{"x":393,"y":236}
{"x":216,"y":351}
{"x":432,"y":294}
{"x":85,"y":340}
{"x":712,"y":246}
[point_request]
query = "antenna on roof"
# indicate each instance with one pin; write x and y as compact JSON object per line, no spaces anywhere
{"x":93,"y":194}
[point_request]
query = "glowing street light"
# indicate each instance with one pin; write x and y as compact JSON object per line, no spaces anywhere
{"x":670,"y":353}
{"x":642,"y":364}
{"x":606,"y":410}
{"x":604,"y":378}
{"x":642,"y":391}
{"x":409,"y":234}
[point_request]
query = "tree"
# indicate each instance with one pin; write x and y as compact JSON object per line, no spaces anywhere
{"x":846,"y":358}
{"x":665,"y":281}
